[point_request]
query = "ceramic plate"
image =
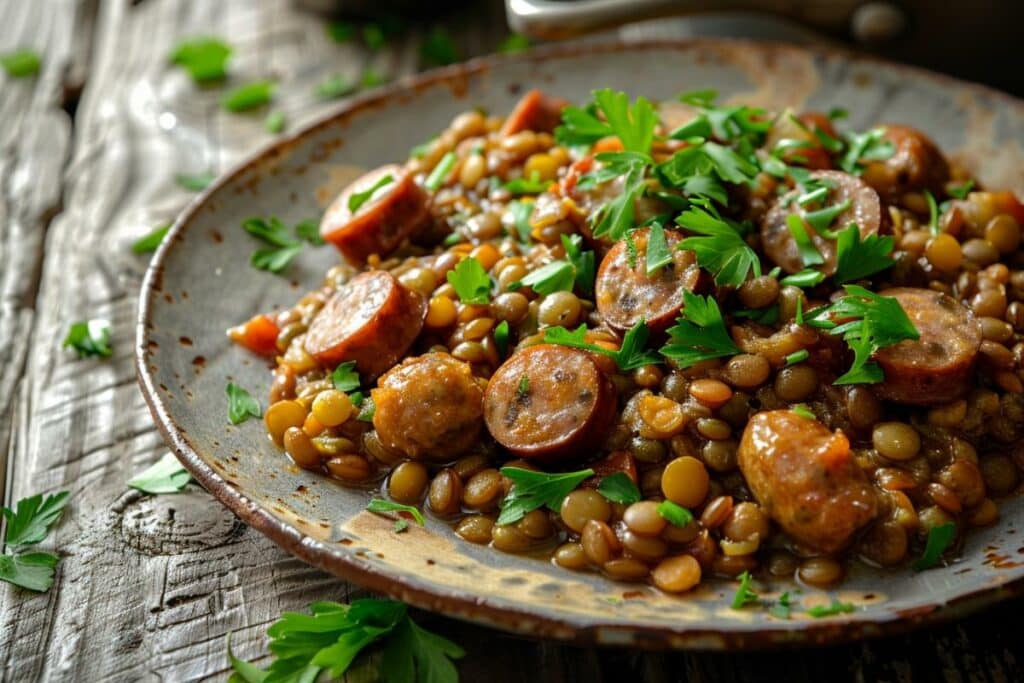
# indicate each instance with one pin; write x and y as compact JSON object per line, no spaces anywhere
{"x":200,"y":283}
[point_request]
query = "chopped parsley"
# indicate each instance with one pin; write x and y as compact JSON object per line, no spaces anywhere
{"x":803,"y":411}
{"x":274,"y":123}
{"x":470,"y":281}
{"x":531,"y":185}
{"x":744,"y":594}
{"x":151,"y":240}
{"x":524,"y":385}
{"x":675,"y":514}
{"x":440,"y":173}
{"x":194,"y":182}
{"x":518,"y":214}
{"x":557,"y":276}
{"x":630,"y":356}
{"x":933,"y":213}
{"x":28,"y":524}
{"x":782,"y":608}
{"x":961,"y":190}
{"x":241,"y":405}
{"x":939,"y":539}
{"x":724,"y":123}
{"x":204,"y":58}
{"x":868,"y":146}
{"x":619,"y":488}
{"x":501,"y":331}
{"x":345,"y":378}
{"x":380,"y":505}
{"x":720,"y":248}
{"x":615,"y":217}
{"x":335,"y":86}
{"x":632,"y":255}
{"x":798,"y":357}
{"x":21,"y":63}
{"x":89,"y":338}
{"x":514,"y":42}
{"x":857,"y":259}
{"x":809,"y":254}
{"x":367,"y":408}
{"x":632,"y":124}
{"x":836,"y":607}
{"x":533,"y":490}
{"x":582,"y":261}
{"x":699,"y":333}
{"x":803,"y":279}
{"x":167,"y":475}
{"x":282,"y":247}
{"x":658,"y":253}
{"x":357,"y":199}
{"x":248,"y":96}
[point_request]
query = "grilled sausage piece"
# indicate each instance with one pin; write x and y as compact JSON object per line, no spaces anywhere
{"x":372,"y":320}
{"x":395,"y":211}
{"x":937,"y":367}
{"x":865,"y":210}
{"x":625,"y":293}
{"x":535,"y":111}
{"x":429,"y":407}
{"x":806,"y":479}
{"x":915,"y":164}
{"x":549,"y":401}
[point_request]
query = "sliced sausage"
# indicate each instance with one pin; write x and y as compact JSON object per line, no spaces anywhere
{"x":429,"y":406}
{"x":804,"y":476}
{"x":549,"y":401}
{"x":625,"y":293}
{"x":393,"y":213}
{"x":535,"y":111}
{"x":865,"y":210}
{"x":936,"y":368}
{"x":372,"y":320}
{"x":916,"y":164}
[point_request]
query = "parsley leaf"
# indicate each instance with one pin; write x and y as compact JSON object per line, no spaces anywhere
{"x":248,"y":96}
{"x":631,"y":252}
{"x":167,"y":475}
{"x":204,"y":58}
{"x":798,"y":357}
{"x":630,"y":356}
{"x":345,"y":378}
{"x":615,"y":217}
{"x":961,"y":190}
{"x":857,"y":259}
{"x":801,"y":409}
{"x":20,"y":63}
{"x":381,"y":505}
{"x":501,"y":331}
{"x":367,"y":409}
{"x":782,"y":607}
{"x":676,"y":514}
{"x":619,"y":488}
{"x":514,"y":42}
{"x":274,"y":123}
{"x":581,"y":128}
{"x":720,"y":249}
{"x":414,"y":654}
{"x":194,"y":182}
{"x":724,"y":123}
{"x":284,"y":246}
{"x":31,"y":571}
{"x":805,"y":278}
{"x":699,"y":333}
{"x":868,"y":146}
{"x":335,"y":86}
{"x":933,"y":213}
{"x":809,"y":254}
{"x":744,"y":594}
{"x":309,"y":230}
{"x":241,"y":406}
{"x":531,"y":185}
{"x":151,"y":240}
{"x":557,"y":276}
{"x":32,"y":518}
{"x":658,"y":253}
{"x":470,"y":281}
{"x":633,"y":125}
{"x":274,"y":260}
{"x":89,"y":338}
{"x":440,"y":172}
{"x":438,"y":48}
{"x":582,"y":261}
{"x":836,"y":607}
{"x":939,"y":538}
{"x":533,"y":490}
{"x":357,"y":199}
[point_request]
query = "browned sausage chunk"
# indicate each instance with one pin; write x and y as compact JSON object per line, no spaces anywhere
{"x":937,"y":367}
{"x":372,"y":320}
{"x":626,"y":294}
{"x":429,"y":406}
{"x":549,"y":401}
{"x":535,"y":111}
{"x":916,"y":164}
{"x":806,"y":479}
{"x":865,"y":210}
{"x":394,"y":212}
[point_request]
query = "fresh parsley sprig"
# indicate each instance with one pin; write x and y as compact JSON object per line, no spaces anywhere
{"x":167,"y":475}
{"x":151,"y":240}
{"x":471,"y":282}
{"x":241,"y":404}
{"x":699,"y":333}
{"x":719,"y":246}
{"x":27,"y":525}
{"x":534,"y":490}
{"x":857,"y":259}
{"x":204,"y":58}
{"x":724,"y":123}
{"x":619,"y":488}
{"x":583,"y":261}
{"x":89,"y":338}
{"x":939,"y":539}
{"x":630,"y":356}
{"x":632,"y":124}
{"x":870,"y":145}
{"x":282,"y":246}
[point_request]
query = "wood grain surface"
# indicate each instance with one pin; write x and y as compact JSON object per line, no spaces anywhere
{"x":149,"y":587}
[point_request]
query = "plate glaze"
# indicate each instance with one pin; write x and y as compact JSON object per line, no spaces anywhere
{"x":199,"y":283}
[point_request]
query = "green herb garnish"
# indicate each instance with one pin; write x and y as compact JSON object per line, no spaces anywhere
{"x":438,"y":48}
{"x":809,"y":254}
{"x":335,"y":86}
{"x":241,"y":405}
{"x":345,"y":378}
{"x":658,"y":253}
{"x":857,"y":259}
{"x":533,"y":490}
{"x":367,"y":408}
{"x":803,"y":411}
{"x":557,"y":276}
{"x":194,"y":182}
{"x":805,"y":278}
{"x":676,"y":514}
{"x":798,"y":357}
{"x":514,"y":42}
{"x":380,"y":505}
{"x":744,"y":594}
{"x":699,"y":333}
{"x":151,"y":240}
{"x":440,"y":173}
{"x":357,"y":199}
{"x":28,"y":524}
{"x":204,"y":58}
{"x":782,"y":607}
{"x":167,"y":475}
{"x":720,"y":248}
{"x":518,"y":213}
{"x":619,"y":488}
{"x":248,"y":96}
{"x":630,"y":356}
{"x":274,"y":123}
{"x":21,"y":63}
{"x":89,"y":338}
{"x":501,"y":332}
{"x":837,"y":607}
{"x":470,"y":281}
{"x":582,"y":261}
{"x":868,"y":146}
{"x":933,"y":213}
{"x":531,"y":185}
{"x":961,"y":190}
{"x":939,"y":538}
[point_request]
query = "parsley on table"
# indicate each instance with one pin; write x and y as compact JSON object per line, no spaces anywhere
{"x":204,"y":58}
{"x":719,"y":247}
{"x":856,"y":258}
{"x":675,"y":514}
{"x":961,"y":190}
{"x":867,"y":146}
{"x":744,"y":594}
{"x":438,"y":48}
{"x":440,"y":172}
{"x":514,"y":42}
{"x":783,"y":607}
{"x":501,"y":332}
{"x":151,"y":240}
{"x":241,"y":405}
{"x":340,"y":31}
{"x":21,"y":63}
{"x":470,"y":281}
{"x":331,"y":637}
{"x":274,"y":123}
{"x":531,"y":185}
{"x":28,"y":524}
{"x":371,"y":79}
{"x":803,"y":411}
{"x":557,"y":276}
{"x":373,"y":36}
{"x":699,"y":333}
{"x":658,"y":253}
{"x":167,"y":475}
{"x":357,"y":199}
{"x":805,"y":278}
{"x":582,"y":261}
{"x":630,"y":356}
{"x":533,"y":490}
{"x":335,"y":86}
{"x":345,"y":378}
{"x":194,"y":182}
{"x":872,"y":322}
{"x":939,"y":538}
{"x":89,"y":338}
{"x":248,"y":96}
{"x":619,"y":488}
{"x":381,"y":505}
{"x":836,"y":607}
{"x":809,"y":254}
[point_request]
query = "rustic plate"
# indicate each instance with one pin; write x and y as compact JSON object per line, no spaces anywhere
{"x":200,"y":283}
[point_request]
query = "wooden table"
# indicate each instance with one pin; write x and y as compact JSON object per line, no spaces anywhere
{"x":149,"y":586}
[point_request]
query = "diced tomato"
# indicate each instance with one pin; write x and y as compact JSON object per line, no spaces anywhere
{"x":259,"y":335}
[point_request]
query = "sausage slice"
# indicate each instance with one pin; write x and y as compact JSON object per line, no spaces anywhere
{"x":804,"y":476}
{"x":936,"y":368}
{"x":549,"y":401}
{"x":429,"y":406}
{"x":625,"y":294}
{"x":535,"y":111}
{"x":394,"y":212}
{"x":372,"y":320}
{"x":915,"y":164}
{"x":865,"y":210}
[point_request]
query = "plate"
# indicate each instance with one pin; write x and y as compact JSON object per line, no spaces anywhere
{"x":200,"y":282}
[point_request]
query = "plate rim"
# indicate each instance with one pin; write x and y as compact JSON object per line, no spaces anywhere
{"x":343,"y":562}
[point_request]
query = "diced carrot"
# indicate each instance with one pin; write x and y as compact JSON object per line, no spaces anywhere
{"x":535,"y":111}
{"x":609,"y":144}
{"x":259,"y":335}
